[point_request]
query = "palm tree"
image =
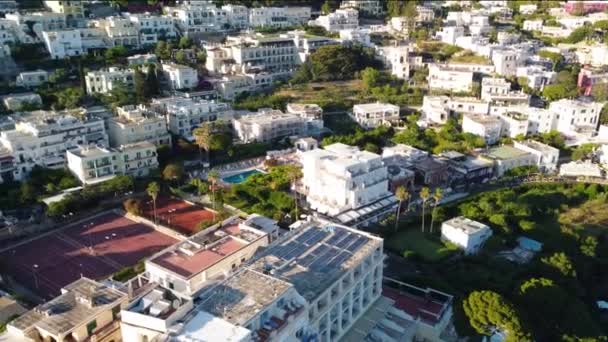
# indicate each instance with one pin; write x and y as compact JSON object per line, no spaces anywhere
{"x":202,"y":136}
{"x":437,"y":198}
{"x":424,"y":195}
{"x":213,"y":177}
{"x":153,"y":190}
{"x":402,"y":195}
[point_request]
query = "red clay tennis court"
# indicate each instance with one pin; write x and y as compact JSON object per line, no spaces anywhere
{"x":178,"y":214}
{"x":94,"y":249}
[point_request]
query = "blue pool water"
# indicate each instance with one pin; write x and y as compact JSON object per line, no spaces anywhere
{"x":240,"y":177}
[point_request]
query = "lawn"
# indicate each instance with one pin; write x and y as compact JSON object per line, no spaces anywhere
{"x":427,"y":247}
{"x":331,"y":96}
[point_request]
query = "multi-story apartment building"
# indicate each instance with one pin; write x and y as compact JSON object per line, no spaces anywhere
{"x":536,"y":75}
{"x":371,"y":115}
{"x":93,"y":164}
{"x":72,"y":9}
{"x":34,"y":23}
{"x":184,"y":114}
{"x":449,"y":34}
{"x":180,"y":76}
{"x":269,"y":125}
{"x":448,"y":77}
{"x":238,"y":16}
{"x":506,"y":61}
{"x":119,"y":31}
{"x":343,"y":182}
{"x":341,"y":19}
{"x":85,"y":311}
{"x":514,"y":123}
{"x":575,"y":116}
{"x":438,"y":109}
{"x":546,"y":156}
{"x":397,"y":59}
{"x":42,"y":138}
{"x":153,"y":27}
{"x":278,"y":16}
{"x":367,"y":7}
{"x":63,"y":43}
{"x":498,"y":91}
{"x":254,"y":53}
{"x":135,"y":124}
{"x":198,"y":16}
{"x":103,"y":81}
{"x":229,"y":86}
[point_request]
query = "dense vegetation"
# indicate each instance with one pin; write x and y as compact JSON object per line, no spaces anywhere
{"x":41,"y":183}
{"x":553,"y":296}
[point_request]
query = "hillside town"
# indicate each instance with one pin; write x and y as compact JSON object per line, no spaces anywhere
{"x":284,"y":170}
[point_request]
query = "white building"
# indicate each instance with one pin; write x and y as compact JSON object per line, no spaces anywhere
{"x":152,"y":27}
{"x":148,"y":58}
{"x":72,"y":9}
{"x":397,"y":59}
{"x":546,"y":156}
{"x":312,"y":113}
{"x":437,"y":109}
{"x":371,"y":115}
{"x":498,"y":91}
{"x":448,"y":77}
{"x":357,"y":36}
{"x":31,"y":79}
{"x":16,"y":102}
{"x":104,"y":81}
{"x":536,"y":75}
{"x":197,"y":17}
{"x":368,"y":7}
{"x":134,"y":124}
{"x":341,"y":19}
{"x":465,"y":233}
{"x":307,"y":44}
{"x":63,"y":43}
{"x":575,"y":116}
{"x":276,"y":55}
{"x":94,"y":164}
{"x":180,"y":76}
{"x":341,"y":181}
{"x":514,"y":123}
{"x":508,"y":157}
{"x":278,"y":16}
{"x":230,"y":86}
{"x":184,"y":114}
{"x":237,"y":15}
{"x":581,"y":169}
{"x":486,"y":126}
{"x":42,"y":138}
{"x":527,"y":9}
{"x":119,"y":31}
{"x":269,"y":125}
{"x":449,"y":34}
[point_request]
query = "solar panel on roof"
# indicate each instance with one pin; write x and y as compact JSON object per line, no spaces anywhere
{"x":316,"y":238}
{"x":306,"y":235}
{"x":307,"y":260}
{"x":343,"y":243}
{"x":353,"y":247}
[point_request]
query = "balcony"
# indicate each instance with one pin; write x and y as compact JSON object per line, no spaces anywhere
{"x":274,"y":325}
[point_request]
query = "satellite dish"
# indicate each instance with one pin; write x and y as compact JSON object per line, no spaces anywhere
{"x":175,"y":304}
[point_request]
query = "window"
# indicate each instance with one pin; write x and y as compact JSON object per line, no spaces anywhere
{"x":91,"y":327}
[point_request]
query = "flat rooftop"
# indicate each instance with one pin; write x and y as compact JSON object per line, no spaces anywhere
{"x":203,"y":250}
{"x":465,"y":224}
{"x":243,"y":296}
{"x":69,"y":310}
{"x":538,"y":146}
{"x":505,"y":152}
{"x":316,"y":256}
{"x":484,"y":119}
{"x":375,"y":107}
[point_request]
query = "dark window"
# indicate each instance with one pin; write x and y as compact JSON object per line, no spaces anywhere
{"x":91,"y":327}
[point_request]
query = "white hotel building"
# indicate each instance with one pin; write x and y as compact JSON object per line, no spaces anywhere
{"x":448,"y":77}
{"x":197,"y":17}
{"x":180,"y":76}
{"x":93,"y":164}
{"x":153,"y":27}
{"x":42,"y":138}
{"x":341,"y":19}
{"x":63,"y":43}
{"x":342,"y":182}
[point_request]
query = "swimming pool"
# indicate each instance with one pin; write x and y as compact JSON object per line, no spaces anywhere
{"x":241,"y":176}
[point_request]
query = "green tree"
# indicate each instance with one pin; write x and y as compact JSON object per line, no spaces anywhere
{"x":153,"y":189}
{"x":437,"y":196}
{"x":173,"y":172}
{"x":184,"y":43}
{"x":335,"y":62}
{"x":325,"y":8}
{"x":116,"y":54}
{"x":583,"y":151}
{"x":589,"y":245}
{"x":133,"y":206}
{"x":152,"y":87}
{"x":180,"y":57}
{"x":371,"y":78}
{"x":555,"y":57}
{"x":600,"y":92}
{"x":213,"y":177}
{"x":489,"y":312}
{"x":561,"y":263}
{"x":202,"y":137}
{"x":139,"y":80}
